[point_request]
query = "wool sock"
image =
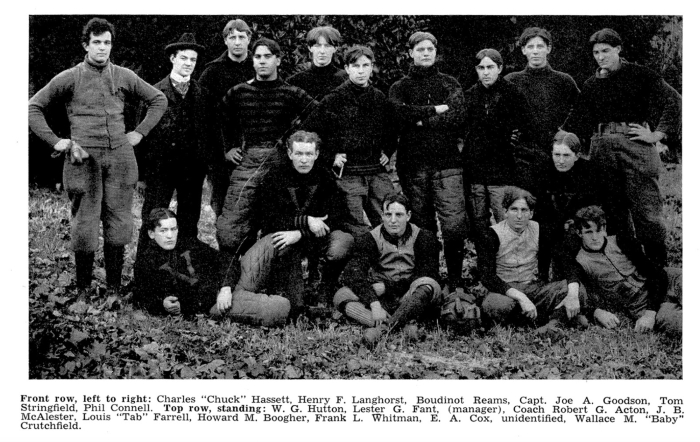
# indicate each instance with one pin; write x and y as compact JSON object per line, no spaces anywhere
{"x":83,"y":269}
{"x":114,"y":261}
{"x":412,"y":305}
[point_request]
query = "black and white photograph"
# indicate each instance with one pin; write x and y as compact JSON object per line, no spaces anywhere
{"x":434,"y":224}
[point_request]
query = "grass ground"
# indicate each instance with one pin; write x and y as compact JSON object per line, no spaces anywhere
{"x":108,"y":338}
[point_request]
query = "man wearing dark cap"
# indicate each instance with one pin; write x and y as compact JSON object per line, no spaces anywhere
{"x":551,"y":94}
{"x":232,"y":67}
{"x":323,"y":76}
{"x":177,"y":152}
{"x":100,"y":171}
{"x":624,"y":109}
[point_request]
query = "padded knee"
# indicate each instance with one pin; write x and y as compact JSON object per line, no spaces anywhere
{"x":258,"y":308}
{"x":499,"y":308}
{"x":343,"y":295}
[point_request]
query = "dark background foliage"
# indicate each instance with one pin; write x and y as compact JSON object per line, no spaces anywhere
{"x":54,"y":45}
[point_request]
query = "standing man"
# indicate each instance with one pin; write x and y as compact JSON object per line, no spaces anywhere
{"x":357,"y":123}
{"x":180,"y":148}
{"x":259,"y":114}
{"x":624,"y":109}
{"x":551,"y":95}
{"x":100,"y":170}
{"x":428,"y":158}
{"x":232,"y":67}
{"x":323,"y":76}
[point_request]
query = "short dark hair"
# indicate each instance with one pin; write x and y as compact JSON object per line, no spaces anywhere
{"x":302,"y":136}
{"x":331,"y":34}
{"x":568,"y":139}
{"x":269,"y":44}
{"x":236,"y":25}
{"x":490,"y":53}
{"x":156,"y":216}
{"x":606,"y":36}
{"x":97,"y":26}
{"x":397,"y":198}
{"x":419,"y":36}
{"x":355,"y":52}
{"x":530,"y":33}
{"x":590,"y":214}
{"x":512,"y":194}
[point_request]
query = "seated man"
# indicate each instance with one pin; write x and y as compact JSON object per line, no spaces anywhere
{"x":622,"y":279}
{"x":174,"y":277}
{"x":514,"y":273}
{"x":300,"y":214}
{"x":394,"y":269}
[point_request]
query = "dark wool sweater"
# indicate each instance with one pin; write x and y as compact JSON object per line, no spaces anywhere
{"x":289,"y":198}
{"x":260,"y":113}
{"x":630,"y":94}
{"x":491,"y":116}
{"x":319,"y":81}
{"x":189,"y":272}
{"x":551,"y":95}
{"x":567,"y":192}
{"x":366,"y":255}
{"x":432,"y":146}
{"x":223,"y":73}
{"x":357,"y":121}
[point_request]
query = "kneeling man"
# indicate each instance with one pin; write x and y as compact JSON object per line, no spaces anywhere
{"x":174,"y":277}
{"x":394,"y":269}
{"x":623,"y":280}
{"x":301,"y":213}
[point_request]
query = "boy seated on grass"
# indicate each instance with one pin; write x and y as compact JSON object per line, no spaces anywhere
{"x":174,"y":277}
{"x":622,"y":279}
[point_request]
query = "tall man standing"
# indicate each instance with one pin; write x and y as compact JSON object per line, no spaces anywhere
{"x":551,"y":95}
{"x":100,"y":170}
{"x":624,"y":109}
{"x":428,"y":158}
{"x":323,"y":76}
{"x":232,"y":67}
{"x":180,"y":148}
{"x":259,"y":114}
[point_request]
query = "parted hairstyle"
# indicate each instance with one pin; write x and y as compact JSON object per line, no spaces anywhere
{"x":355,"y":52}
{"x":493,"y":54}
{"x":568,"y":139}
{"x":97,"y":26}
{"x":511,"y":194}
{"x":331,"y":34}
{"x":607,"y":36}
{"x":530,"y":33}
{"x":156,"y":216}
{"x":236,"y":25}
{"x":419,"y":36}
{"x":269,"y":44}
{"x":302,"y":136}
{"x":590,"y":214}
{"x":396,"y":198}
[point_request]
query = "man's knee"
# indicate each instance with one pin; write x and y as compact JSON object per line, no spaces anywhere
{"x":259,"y":309}
{"x":499,"y":308}
{"x":427,"y":281}
{"x":669,"y":318}
{"x":340,"y":245}
{"x":343,"y":296}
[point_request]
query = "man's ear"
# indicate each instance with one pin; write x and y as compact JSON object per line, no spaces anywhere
{"x":408,"y":215}
{"x":152,"y":234}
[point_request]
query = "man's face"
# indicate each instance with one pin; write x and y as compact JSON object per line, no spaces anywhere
{"x":303,"y":156}
{"x":395,"y":218}
{"x":423,"y":53}
{"x":359,"y":71}
{"x":165,"y":235}
{"x":265,"y":64}
{"x":593,"y":237}
{"x":99,"y":47}
{"x":184,"y":62}
{"x":608,"y":57}
{"x":237,"y":44}
{"x":518,"y":215}
{"x":536,"y":51}
{"x":322,"y":52}
{"x":488,"y":71}
{"x":564,"y":158}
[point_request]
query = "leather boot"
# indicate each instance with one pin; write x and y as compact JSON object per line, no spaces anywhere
{"x":114,"y":261}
